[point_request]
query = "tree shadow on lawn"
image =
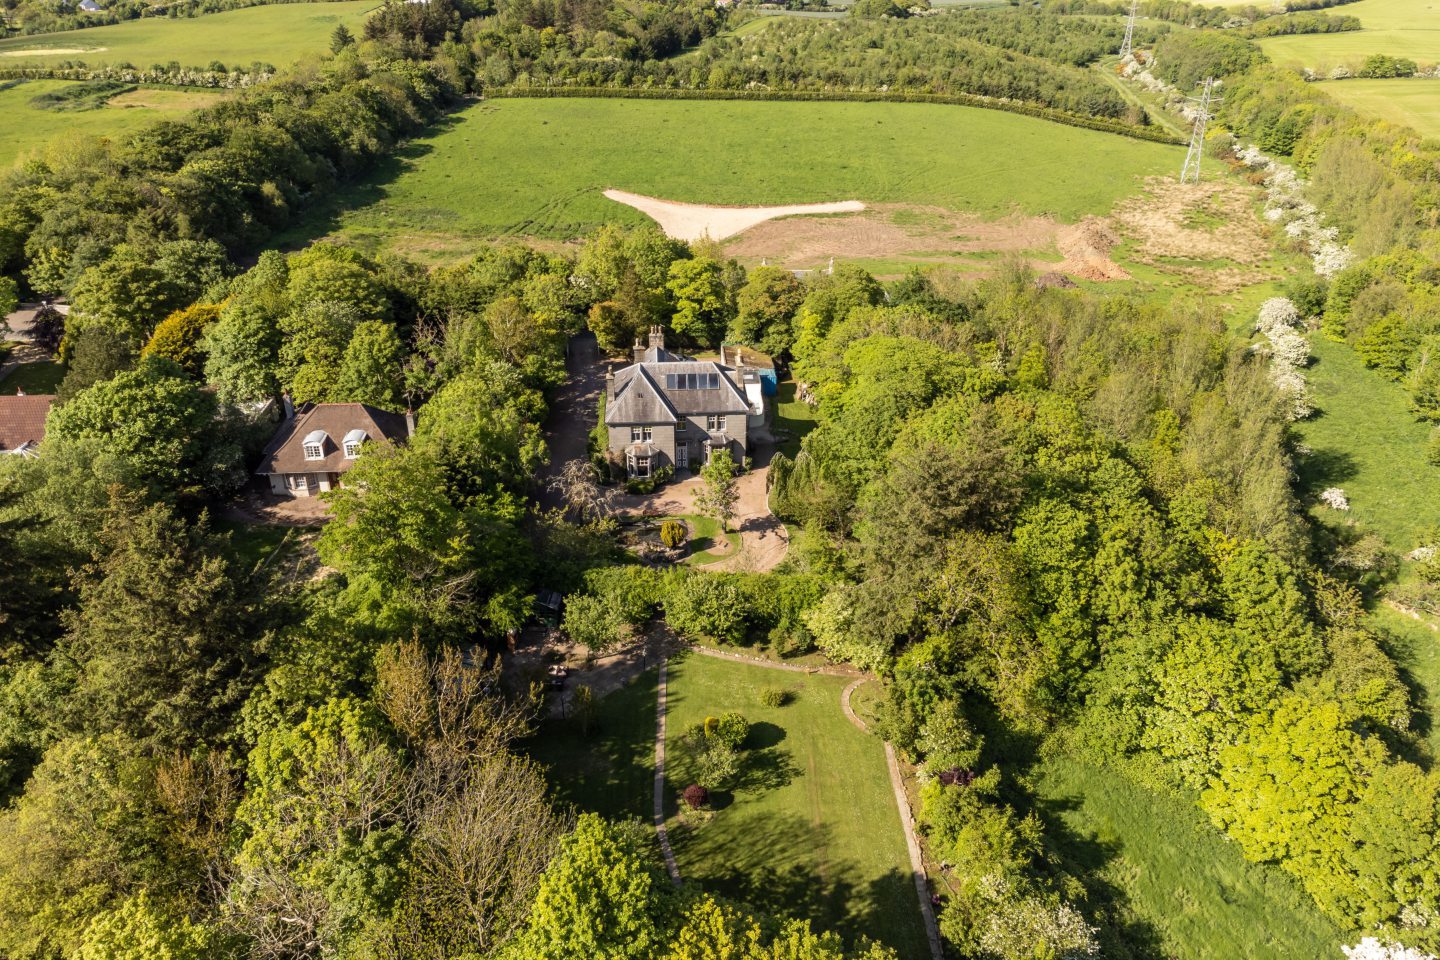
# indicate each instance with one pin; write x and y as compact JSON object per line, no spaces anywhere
{"x":780,"y":866}
{"x":1326,"y":467}
{"x":1123,"y":935}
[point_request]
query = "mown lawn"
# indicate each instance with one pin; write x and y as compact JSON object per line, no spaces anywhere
{"x":538,"y":167}
{"x":24,"y":128}
{"x":42,"y":376}
{"x":793,"y":418}
{"x":1169,"y":884}
{"x":811,"y":828}
{"x":1399,"y":28}
{"x":277,"y":34}
{"x":1407,"y":101}
{"x":705,"y":534}
{"x":608,"y":769}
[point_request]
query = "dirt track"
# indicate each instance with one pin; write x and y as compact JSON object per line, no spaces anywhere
{"x":693,"y":221}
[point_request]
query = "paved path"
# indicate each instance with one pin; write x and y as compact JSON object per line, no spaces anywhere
{"x":573,"y":411}
{"x":660,"y":831}
{"x":892,"y":763}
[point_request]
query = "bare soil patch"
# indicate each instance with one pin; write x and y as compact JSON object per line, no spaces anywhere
{"x":1086,"y":247}
{"x":894,"y":230}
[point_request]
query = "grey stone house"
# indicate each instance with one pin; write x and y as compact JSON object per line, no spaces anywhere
{"x":665,"y":409}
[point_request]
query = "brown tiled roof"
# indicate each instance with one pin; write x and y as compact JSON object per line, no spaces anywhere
{"x":22,"y":420}
{"x":286,"y":451}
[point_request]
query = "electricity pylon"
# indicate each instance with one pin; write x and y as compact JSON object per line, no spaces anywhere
{"x":1128,"y":44}
{"x":1190,"y":172}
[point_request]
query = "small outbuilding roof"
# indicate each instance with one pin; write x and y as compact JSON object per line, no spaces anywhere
{"x":22,"y":422}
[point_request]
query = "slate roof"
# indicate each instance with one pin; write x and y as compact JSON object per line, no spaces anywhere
{"x":642,"y":397}
{"x":286,"y":454}
{"x":22,"y":421}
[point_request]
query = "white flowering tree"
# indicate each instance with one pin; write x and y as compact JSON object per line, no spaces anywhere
{"x":1335,"y":499}
{"x":1371,"y":948}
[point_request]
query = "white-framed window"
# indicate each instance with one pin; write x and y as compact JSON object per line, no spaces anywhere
{"x":642,"y":466}
{"x":681,"y":426}
{"x":352,"y":449}
{"x":640,"y":434}
{"x":715,"y":423}
{"x":314,"y":451}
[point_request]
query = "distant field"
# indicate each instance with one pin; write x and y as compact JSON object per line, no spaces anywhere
{"x":1400,"y":28}
{"x":276,"y":34}
{"x":24,"y":128}
{"x":537,"y":167}
{"x":1169,"y":883}
{"x":1414,"y":103}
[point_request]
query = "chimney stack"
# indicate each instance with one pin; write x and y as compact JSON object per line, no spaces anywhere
{"x":409,"y":422}
{"x":638,"y":351}
{"x":657,"y":337}
{"x":289,"y":407}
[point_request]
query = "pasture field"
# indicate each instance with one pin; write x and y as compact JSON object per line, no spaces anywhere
{"x":811,"y":827}
{"x":24,"y":128}
{"x":1415,"y":646}
{"x":1400,"y":28}
{"x":1169,"y":883}
{"x":1411,"y":102}
{"x":536,"y":168}
{"x":277,"y":34}
{"x":1365,"y":440}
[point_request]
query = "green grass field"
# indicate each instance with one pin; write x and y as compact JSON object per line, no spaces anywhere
{"x":609,"y":770}
{"x":276,"y":34}
{"x":1416,"y":647}
{"x":538,"y":167}
{"x":1413,"y":103}
{"x":1400,"y":28}
{"x":1169,"y":884}
{"x":811,"y":828}
{"x":1367,"y":442}
{"x":42,"y":376}
{"x":24,"y":128}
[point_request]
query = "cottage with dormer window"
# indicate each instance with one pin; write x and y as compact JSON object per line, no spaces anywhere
{"x":670,"y":410}
{"x":303,"y":458}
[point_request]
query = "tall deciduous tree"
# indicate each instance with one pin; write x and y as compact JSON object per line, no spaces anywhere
{"x":721,"y":491}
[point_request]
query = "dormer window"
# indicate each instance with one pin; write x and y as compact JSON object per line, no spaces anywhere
{"x":353,"y":441}
{"x":315,"y":445}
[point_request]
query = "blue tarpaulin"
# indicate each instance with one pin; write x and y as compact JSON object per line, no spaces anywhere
{"x":769,"y":383}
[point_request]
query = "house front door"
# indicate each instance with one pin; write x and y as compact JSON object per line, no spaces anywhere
{"x":682,"y":456}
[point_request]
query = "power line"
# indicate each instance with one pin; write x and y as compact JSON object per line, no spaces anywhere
{"x":1190,"y":172}
{"x":1128,"y":44}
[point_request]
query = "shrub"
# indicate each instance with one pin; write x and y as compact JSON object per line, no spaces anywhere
{"x":716,"y":765}
{"x":706,"y":605}
{"x":730,"y":730}
{"x":775,"y":696}
{"x":695,"y":796}
{"x":672,"y":533}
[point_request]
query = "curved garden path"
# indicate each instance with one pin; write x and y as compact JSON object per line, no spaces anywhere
{"x":897,"y":783}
